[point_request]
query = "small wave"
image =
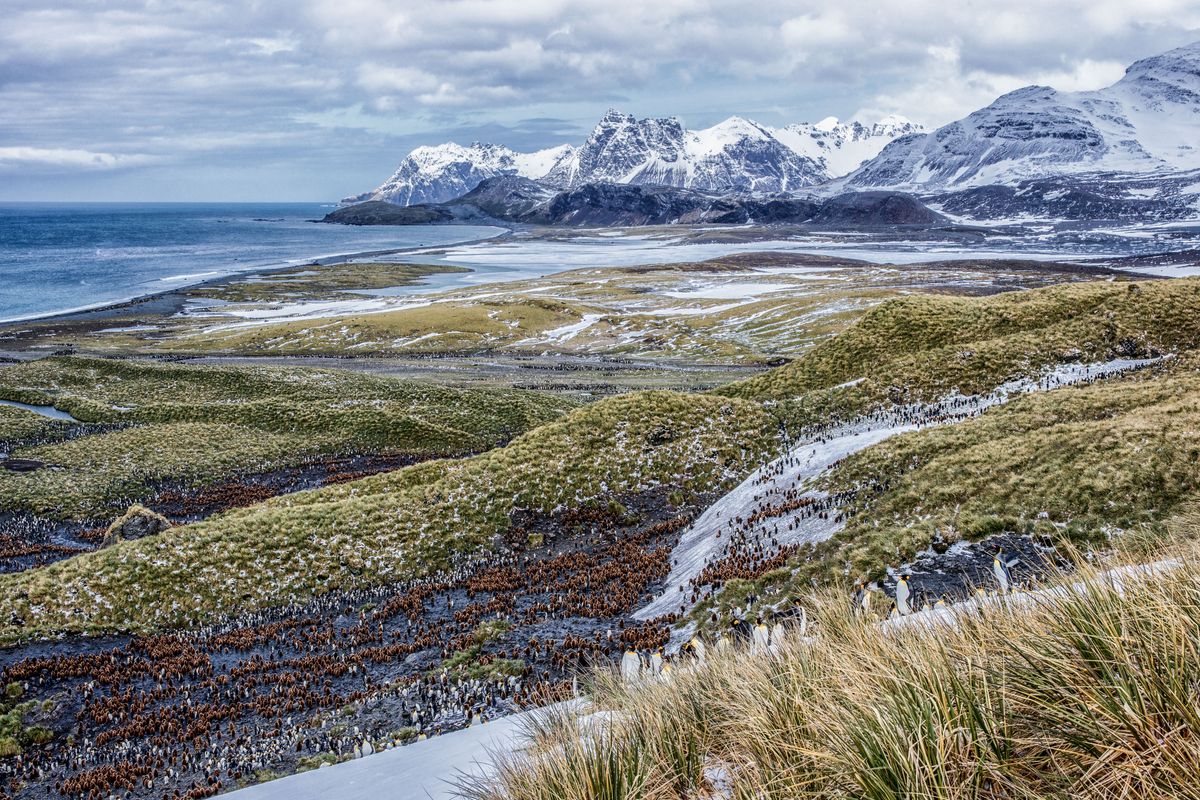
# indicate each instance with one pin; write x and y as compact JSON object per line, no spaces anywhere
{"x":192,"y":276}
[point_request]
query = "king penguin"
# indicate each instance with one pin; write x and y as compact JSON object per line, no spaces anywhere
{"x":902,"y":595}
{"x":1000,"y":570}
{"x":631,"y":666}
{"x":761,"y":638}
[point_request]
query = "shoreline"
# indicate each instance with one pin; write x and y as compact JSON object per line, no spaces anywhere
{"x":107,"y":308}
{"x":42,"y":333}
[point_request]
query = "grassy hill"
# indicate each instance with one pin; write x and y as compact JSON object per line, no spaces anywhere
{"x":199,"y":424}
{"x":1084,"y":461}
{"x":1088,"y":466}
{"x":18,"y":425}
{"x":922,"y":347}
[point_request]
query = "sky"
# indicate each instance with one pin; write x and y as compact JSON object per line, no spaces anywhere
{"x":314,"y":100}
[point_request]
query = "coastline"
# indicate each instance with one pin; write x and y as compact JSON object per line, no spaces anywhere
{"x":110,"y":308}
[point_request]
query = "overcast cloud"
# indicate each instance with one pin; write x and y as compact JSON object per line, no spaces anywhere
{"x":317,"y":99}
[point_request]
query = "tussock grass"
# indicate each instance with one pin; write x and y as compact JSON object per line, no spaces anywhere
{"x":922,"y":347}
{"x":1088,"y":693}
{"x":442,"y":327}
{"x":1081,"y":464}
{"x":18,"y":425}
{"x":317,"y":282}
{"x":364,"y":408}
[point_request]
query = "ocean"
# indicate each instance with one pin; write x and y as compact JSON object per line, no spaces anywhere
{"x":58,"y":257}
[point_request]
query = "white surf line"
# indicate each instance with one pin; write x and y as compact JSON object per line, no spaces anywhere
{"x":800,"y":466}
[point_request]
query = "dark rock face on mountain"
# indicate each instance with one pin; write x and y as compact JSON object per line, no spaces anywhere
{"x":1085,"y":198}
{"x":875,"y":208}
{"x":623,"y":204}
{"x":518,"y":200}
{"x":508,"y":197}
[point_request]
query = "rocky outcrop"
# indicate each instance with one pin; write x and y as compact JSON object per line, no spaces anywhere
{"x":21,"y":464}
{"x":875,"y":209}
{"x":378,"y":212}
{"x":136,"y":523}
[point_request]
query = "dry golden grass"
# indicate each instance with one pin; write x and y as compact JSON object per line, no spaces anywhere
{"x":1088,"y":692}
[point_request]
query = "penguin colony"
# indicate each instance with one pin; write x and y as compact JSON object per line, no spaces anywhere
{"x":189,"y":714}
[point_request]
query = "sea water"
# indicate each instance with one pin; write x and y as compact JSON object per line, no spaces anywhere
{"x":57,"y":256}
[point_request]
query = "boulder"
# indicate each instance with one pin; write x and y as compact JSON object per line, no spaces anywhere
{"x":135,"y":523}
{"x":21,"y":464}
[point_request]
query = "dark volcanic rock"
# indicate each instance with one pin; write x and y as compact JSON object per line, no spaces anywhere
{"x":1091,"y":199}
{"x":135,"y":523}
{"x":956,"y":572}
{"x":875,"y":208}
{"x":779,"y":209}
{"x":510,"y":198}
{"x":21,"y":464}
{"x":377,"y":212}
{"x":507,"y":197}
{"x":625,"y":204}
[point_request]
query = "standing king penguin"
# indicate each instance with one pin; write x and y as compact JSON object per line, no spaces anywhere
{"x":902,"y":594}
{"x":1000,"y":570}
{"x":631,"y":666}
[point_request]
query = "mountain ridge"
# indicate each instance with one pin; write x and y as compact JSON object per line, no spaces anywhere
{"x":1145,"y":122}
{"x":1123,"y":152}
{"x":736,"y":156}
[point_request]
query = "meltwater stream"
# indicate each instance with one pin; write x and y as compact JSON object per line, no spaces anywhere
{"x":46,"y":411}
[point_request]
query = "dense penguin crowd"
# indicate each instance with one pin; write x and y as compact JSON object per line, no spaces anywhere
{"x":188,"y":714}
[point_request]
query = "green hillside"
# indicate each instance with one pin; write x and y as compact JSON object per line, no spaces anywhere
{"x":1086,"y":461}
{"x":200,"y":424}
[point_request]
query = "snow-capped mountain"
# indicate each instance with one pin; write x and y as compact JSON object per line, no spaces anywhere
{"x":734,"y":156}
{"x":440,"y":173}
{"x":1149,"y":121}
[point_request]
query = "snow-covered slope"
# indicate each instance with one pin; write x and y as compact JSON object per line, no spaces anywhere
{"x":734,"y":156}
{"x":425,"y":770}
{"x":840,"y":147}
{"x":1149,"y":121}
{"x":446,"y":171}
